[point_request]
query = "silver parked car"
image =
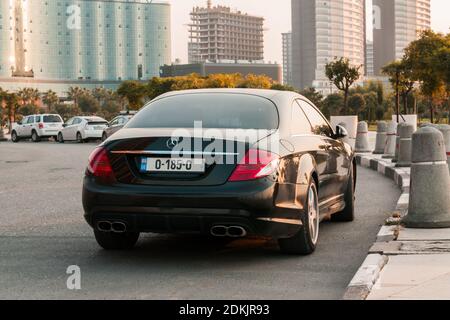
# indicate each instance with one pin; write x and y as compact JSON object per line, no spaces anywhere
{"x":115,"y":125}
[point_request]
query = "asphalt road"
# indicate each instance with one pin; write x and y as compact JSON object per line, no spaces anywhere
{"x":42,"y":232}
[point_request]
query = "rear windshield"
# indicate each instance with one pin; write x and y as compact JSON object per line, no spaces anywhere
{"x":97,"y":123}
{"x":52,"y":119}
{"x":214,"y":110}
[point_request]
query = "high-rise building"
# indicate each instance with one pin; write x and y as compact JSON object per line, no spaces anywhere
{"x":369,"y":59}
{"x":287,"y":58}
{"x":323,"y":30}
{"x":57,"y":44}
{"x":396,"y":24}
{"x":219,"y":33}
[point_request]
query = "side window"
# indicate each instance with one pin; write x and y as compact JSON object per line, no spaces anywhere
{"x":70,"y":122}
{"x":115,"y":122}
{"x":30,"y":120}
{"x":77,"y":121}
{"x":299,"y":122}
{"x":38,"y":119}
{"x":24,"y":120}
{"x":122,"y":121}
{"x":319,"y":124}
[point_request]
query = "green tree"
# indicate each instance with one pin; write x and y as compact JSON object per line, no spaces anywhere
{"x":50,"y":98}
{"x":343,"y":75}
{"x":357,"y":103}
{"x":75,"y":93}
{"x":256,"y":82}
{"x":313,"y":95}
{"x":134,"y":92}
{"x":332,"y":105}
{"x":283,"y":87}
{"x":88,"y":104}
{"x":423,"y":55}
{"x":371,"y":104}
{"x":12,"y":104}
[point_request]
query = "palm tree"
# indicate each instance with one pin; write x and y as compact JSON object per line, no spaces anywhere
{"x":12,"y":104}
{"x":50,"y":98}
{"x":75,"y":93}
{"x":2,"y":100}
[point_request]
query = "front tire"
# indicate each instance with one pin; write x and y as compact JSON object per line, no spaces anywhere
{"x":305,"y":241}
{"x":34,"y":137}
{"x":14,"y":137}
{"x":348,"y":214}
{"x":116,"y":241}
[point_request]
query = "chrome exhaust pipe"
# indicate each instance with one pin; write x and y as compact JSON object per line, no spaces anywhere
{"x":219,"y":231}
{"x":104,"y":226}
{"x":119,"y":227}
{"x":236,"y":232}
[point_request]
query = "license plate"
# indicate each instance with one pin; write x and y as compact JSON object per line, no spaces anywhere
{"x":99,"y":127}
{"x":173,"y":165}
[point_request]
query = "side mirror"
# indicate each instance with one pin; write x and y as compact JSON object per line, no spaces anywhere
{"x":19,"y":123}
{"x":64,"y":125}
{"x":341,"y":132}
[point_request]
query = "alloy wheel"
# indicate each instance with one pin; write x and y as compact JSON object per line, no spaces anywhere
{"x":313,"y":214}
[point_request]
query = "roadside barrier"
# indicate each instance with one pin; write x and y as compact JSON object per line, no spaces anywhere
{"x":397,"y":142}
{"x":391,"y":140}
{"x":380,"y":144}
{"x":405,"y":145}
{"x":362,"y":138}
{"x":429,"y":201}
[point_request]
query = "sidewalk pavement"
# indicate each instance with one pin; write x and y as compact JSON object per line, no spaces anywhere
{"x":404,"y":264}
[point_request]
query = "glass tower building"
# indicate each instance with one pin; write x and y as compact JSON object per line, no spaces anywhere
{"x":87,"y":41}
{"x":321,"y":31}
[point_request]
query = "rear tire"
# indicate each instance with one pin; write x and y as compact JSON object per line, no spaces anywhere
{"x":34,"y":137}
{"x":60,"y":138}
{"x":305,"y":241}
{"x":116,"y":241}
{"x":348,"y":214}
{"x":79,"y":138}
{"x":14,"y":137}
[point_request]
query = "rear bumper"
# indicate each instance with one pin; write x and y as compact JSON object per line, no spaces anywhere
{"x":43,"y":133}
{"x":156,"y":209}
{"x":92,"y":134}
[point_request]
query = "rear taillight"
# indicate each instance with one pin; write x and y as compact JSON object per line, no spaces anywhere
{"x":41,"y":126}
{"x":99,"y":164}
{"x":255,"y":165}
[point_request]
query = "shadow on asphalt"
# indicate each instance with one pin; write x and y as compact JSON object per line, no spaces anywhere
{"x":192,"y":249}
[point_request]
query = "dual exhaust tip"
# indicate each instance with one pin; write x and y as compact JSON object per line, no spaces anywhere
{"x":231,"y":232}
{"x":116,"y":227}
{"x":216,"y":231}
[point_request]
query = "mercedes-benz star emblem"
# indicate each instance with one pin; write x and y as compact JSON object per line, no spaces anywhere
{"x":172,"y":142}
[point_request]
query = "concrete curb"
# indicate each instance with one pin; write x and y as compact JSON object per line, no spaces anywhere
{"x":367,"y":275}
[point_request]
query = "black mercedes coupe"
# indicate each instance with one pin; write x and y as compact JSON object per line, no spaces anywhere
{"x":224,"y":163}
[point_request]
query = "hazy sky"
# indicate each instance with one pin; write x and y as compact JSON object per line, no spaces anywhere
{"x":278,"y":20}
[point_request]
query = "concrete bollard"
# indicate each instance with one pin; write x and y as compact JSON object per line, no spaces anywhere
{"x":346,"y":139}
{"x":404,"y":151}
{"x":391,"y":140}
{"x":380,"y":144}
{"x":362,"y":138}
{"x":445,"y":130}
{"x":397,"y":142}
{"x":429,"y":203}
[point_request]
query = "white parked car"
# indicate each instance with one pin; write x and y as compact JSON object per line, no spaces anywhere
{"x":37,"y":127}
{"x":81,"y":129}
